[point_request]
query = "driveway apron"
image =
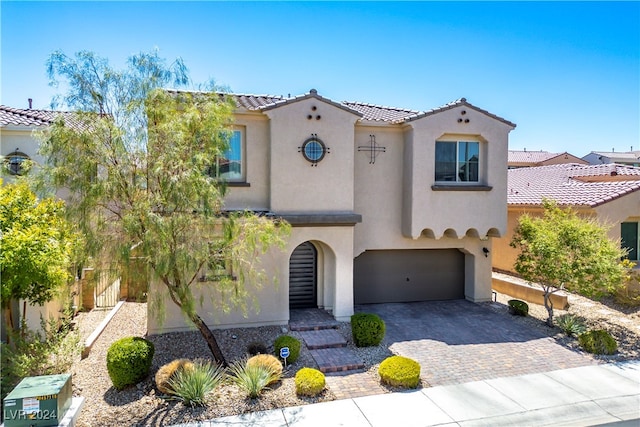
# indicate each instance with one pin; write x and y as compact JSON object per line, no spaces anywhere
{"x":460,"y":341}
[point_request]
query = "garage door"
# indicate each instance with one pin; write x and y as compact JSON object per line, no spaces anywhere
{"x":408,"y":275}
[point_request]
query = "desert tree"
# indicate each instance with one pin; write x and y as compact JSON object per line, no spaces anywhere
{"x":562,"y":250}
{"x":37,"y":247}
{"x":139,"y":175}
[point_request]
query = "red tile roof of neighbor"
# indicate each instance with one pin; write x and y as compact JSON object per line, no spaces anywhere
{"x":29,"y":118}
{"x":571,"y":184}
{"x":530,"y":156}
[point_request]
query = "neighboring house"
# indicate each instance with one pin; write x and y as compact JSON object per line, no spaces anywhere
{"x":629,"y":158}
{"x":387,"y":204}
{"x":527,"y":159}
{"x":610,"y":193}
{"x":17,"y":144}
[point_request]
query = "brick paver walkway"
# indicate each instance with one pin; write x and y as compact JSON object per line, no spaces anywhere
{"x":459,"y":341}
{"x":353,"y":384}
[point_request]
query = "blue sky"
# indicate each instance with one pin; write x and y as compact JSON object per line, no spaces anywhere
{"x":568,"y":74}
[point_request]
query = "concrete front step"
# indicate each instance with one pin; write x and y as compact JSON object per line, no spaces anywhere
{"x":324,"y":338}
{"x":316,"y":326}
{"x":336,"y":359}
{"x":311,"y":319}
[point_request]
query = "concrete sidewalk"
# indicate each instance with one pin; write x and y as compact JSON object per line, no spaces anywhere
{"x":586,"y":396}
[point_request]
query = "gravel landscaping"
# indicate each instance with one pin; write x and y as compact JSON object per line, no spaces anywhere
{"x":142,"y":405}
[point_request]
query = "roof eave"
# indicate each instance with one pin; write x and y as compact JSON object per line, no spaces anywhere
{"x":455,"y":104}
{"x":312,"y":94}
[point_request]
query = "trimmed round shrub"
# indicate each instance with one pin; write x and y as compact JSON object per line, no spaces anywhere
{"x":309,"y":382}
{"x":256,"y":348}
{"x":518,"y":308}
{"x":129,"y":360}
{"x":167,"y":373}
{"x":270,"y":362}
{"x":367,"y":329}
{"x":288,"y":341}
{"x":598,"y":342}
{"x":398,"y":371}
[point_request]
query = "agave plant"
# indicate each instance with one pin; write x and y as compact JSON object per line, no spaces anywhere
{"x":252,"y":378}
{"x":571,"y":324}
{"x":193,"y":385}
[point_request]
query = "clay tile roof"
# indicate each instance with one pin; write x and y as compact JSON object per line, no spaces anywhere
{"x":366,"y":111}
{"x":256,"y":102}
{"x":380,"y":113}
{"x":571,"y":184}
{"x":530,"y":156}
{"x":29,"y":118}
{"x":458,"y":103}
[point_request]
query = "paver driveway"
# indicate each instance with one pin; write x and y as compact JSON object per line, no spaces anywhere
{"x":459,"y":341}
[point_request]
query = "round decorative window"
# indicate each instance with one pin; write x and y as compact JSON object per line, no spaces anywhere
{"x":313,"y":150}
{"x":16,"y":163}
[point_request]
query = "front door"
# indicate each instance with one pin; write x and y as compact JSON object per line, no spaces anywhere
{"x":303,"y":266}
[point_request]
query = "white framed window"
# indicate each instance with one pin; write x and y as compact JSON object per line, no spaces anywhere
{"x":457,"y":161}
{"x":630,"y":239}
{"x":230,"y":165}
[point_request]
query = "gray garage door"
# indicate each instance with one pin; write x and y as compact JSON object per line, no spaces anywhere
{"x":408,"y":275}
{"x":302,"y":277}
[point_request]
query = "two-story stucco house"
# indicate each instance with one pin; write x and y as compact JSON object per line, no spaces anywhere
{"x":386,"y":204}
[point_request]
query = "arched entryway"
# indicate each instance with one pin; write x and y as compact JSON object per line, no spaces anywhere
{"x":303,"y":277}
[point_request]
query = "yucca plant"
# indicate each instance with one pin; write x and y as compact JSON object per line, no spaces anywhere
{"x":193,"y":385}
{"x":571,"y":324}
{"x":252,"y":378}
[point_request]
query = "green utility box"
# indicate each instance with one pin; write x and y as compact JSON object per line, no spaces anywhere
{"x":38,"y":401}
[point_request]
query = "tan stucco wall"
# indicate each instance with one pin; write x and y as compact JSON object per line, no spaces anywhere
{"x":255,"y":128}
{"x":335,"y":290}
{"x":379,"y":199}
{"x":461,"y":212}
{"x":623,"y":209}
{"x":296,"y":185}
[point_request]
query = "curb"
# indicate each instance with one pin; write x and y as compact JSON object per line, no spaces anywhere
{"x":88,"y":344}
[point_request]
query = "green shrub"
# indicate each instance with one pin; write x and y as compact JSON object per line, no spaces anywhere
{"x":32,"y":353}
{"x":518,"y":308}
{"x":193,"y":383}
{"x":309,"y":382}
{"x":398,"y":371}
{"x":270,"y":362}
{"x":571,"y":324}
{"x":598,"y":342}
{"x":367,"y":329}
{"x":288,"y":341}
{"x":252,"y":378}
{"x":129,"y":360}
{"x":168,"y":372}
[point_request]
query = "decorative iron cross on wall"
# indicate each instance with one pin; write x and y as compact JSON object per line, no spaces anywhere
{"x":373,"y":148}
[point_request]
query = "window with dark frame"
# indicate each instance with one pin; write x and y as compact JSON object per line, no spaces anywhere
{"x":457,"y":161}
{"x":630,"y":239}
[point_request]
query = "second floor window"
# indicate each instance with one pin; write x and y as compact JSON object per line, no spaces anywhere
{"x":229,"y":165}
{"x":457,"y":161}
